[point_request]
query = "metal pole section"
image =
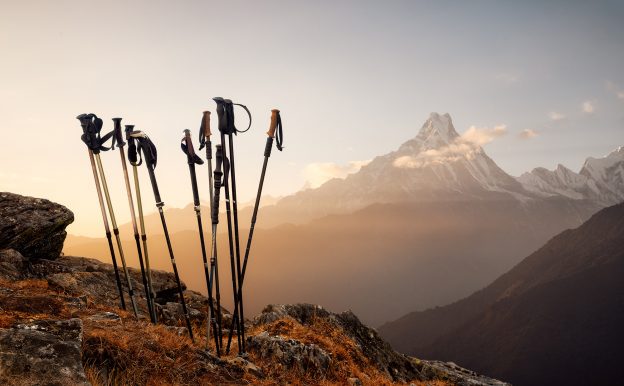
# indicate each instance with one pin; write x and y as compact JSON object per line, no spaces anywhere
{"x":254,"y":215}
{"x":214,"y":264}
{"x":214,"y":215}
{"x":226,"y":187}
{"x":107,"y":228}
{"x":239,"y":298}
{"x":148,"y":297}
{"x":251,"y":230}
{"x":116,"y":233}
{"x":144,"y":240}
{"x":204,"y":140}
{"x":149,"y":154}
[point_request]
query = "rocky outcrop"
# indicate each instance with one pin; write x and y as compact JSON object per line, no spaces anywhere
{"x":398,"y":367}
{"x":290,"y":353}
{"x":33,"y":226}
{"x":45,"y":353}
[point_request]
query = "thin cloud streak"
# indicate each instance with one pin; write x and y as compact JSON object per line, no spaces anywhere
{"x":588,"y":107}
{"x":528,"y":134}
{"x":556,"y":116}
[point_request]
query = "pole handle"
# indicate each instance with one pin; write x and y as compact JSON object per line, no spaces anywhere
{"x":273,"y":124}
{"x":117,"y":136}
{"x":206,"y":124}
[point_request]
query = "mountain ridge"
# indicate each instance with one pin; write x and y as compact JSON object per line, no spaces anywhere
{"x":537,"y":291}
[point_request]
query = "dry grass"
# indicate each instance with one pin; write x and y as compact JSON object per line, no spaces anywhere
{"x":130,"y":352}
{"x":348,"y":360}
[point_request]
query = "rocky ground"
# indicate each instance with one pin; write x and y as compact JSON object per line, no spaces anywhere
{"x":60,"y":325}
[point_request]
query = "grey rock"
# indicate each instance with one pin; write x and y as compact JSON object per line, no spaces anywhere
{"x":35,"y":227}
{"x":46,"y":352}
{"x":12,"y":264}
{"x":290,"y":353}
{"x":246,"y":366}
{"x":459,"y":376}
{"x":105,"y":317}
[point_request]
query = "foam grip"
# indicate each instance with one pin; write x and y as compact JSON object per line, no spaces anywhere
{"x":206,"y":124}
{"x":273,"y":124}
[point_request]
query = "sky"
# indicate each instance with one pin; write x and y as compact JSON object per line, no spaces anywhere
{"x":353,"y":79}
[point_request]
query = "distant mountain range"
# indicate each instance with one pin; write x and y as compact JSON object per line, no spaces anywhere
{"x":555,"y":318}
{"x":600,"y":180}
{"x":421,"y":226}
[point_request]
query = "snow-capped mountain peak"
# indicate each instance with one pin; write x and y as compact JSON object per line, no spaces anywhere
{"x":438,"y":130}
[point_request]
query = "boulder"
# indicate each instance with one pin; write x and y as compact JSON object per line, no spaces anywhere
{"x":45,"y":352}
{"x":290,"y":353}
{"x":34,"y":227}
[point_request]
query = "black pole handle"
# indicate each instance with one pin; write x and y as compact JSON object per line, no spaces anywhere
{"x":218,"y":174}
{"x":117,"y":136}
{"x":221,"y":114}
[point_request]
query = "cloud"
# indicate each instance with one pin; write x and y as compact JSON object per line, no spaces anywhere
{"x":317,"y":173}
{"x":588,"y":107}
{"x":467,"y":146}
{"x":528,"y":134}
{"x":555,"y":116}
{"x":617,"y":90}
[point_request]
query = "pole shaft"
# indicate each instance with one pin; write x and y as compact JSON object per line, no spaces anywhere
{"x":107,"y":229}
{"x":148,"y":298}
{"x":239,"y":298}
{"x":116,"y":233}
{"x":137,"y":188}
{"x":202,"y":243}
{"x":160,"y":205}
{"x":251,"y":229}
{"x":226,"y":187}
{"x":213,"y":262}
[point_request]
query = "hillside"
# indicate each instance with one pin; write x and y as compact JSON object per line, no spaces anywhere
{"x":524,"y":324}
{"x":60,"y":325}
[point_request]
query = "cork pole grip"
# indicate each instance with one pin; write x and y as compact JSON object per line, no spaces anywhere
{"x":273,"y":125}
{"x":206,"y":124}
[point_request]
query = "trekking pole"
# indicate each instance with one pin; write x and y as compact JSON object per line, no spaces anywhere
{"x":132,"y":158}
{"x":275,"y":132}
{"x":92,"y":139}
{"x":118,"y":138}
{"x":192,"y":159}
{"x":224,"y":128}
{"x":225,"y":111}
{"x":214,"y":215}
{"x":109,"y":204}
{"x":204,"y":141}
{"x":148,"y":150}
